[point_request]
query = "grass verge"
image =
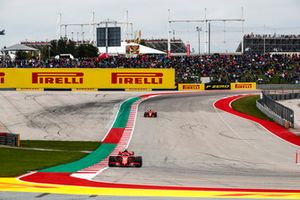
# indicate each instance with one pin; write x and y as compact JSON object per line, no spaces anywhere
{"x":60,"y":145}
{"x":18,"y":161}
{"x":247,"y":105}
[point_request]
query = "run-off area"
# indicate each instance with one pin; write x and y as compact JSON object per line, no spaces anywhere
{"x":190,"y":143}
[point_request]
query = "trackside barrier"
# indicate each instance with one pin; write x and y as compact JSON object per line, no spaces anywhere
{"x":77,"y":78}
{"x":217,"y":86}
{"x":278,"y":86}
{"x":10,"y":139}
{"x":243,"y":86}
{"x":138,"y":89}
{"x":276,"y":111}
{"x":30,"y":89}
{"x":190,"y":86}
{"x":84,"y":89}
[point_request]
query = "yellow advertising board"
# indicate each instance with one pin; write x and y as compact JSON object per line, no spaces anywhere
{"x":243,"y":86}
{"x":190,"y":86}
{"x":87,"y":78}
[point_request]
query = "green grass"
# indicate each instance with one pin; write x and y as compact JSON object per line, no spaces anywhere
{"x":247,"y":105}
{"x":60,"y":145}
{"x":17,"y":161}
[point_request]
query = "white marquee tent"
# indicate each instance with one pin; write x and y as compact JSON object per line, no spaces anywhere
{"x":19,"y":47}
{"x":122,"y":49}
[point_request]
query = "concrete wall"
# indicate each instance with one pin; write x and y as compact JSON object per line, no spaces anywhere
{"x":278,"y":86}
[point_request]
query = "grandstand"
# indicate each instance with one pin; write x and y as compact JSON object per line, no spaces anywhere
{"x":40,"y":44}
{"x":177,"y":45}
{"x":260,"y":44}
{"x":37,"y":45}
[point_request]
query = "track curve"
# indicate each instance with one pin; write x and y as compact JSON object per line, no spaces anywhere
{"x":191,"y":143}
{"x":76,"y":116}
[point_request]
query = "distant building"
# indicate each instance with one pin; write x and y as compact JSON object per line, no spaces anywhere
{"x":260,"y":44}
{"x":37,"y":45}
{"x":177,"y":45}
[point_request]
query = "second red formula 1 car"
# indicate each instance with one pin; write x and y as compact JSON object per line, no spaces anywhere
{"x":150,"y":113}
{"x":125,"y":159}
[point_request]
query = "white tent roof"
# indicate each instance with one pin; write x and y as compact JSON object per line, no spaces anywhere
{"x":122,"y":49}
{"x":19,"y":47}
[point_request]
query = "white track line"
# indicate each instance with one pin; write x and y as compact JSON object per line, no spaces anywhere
{"x":238,"y":135}
{"x":94,"y":170}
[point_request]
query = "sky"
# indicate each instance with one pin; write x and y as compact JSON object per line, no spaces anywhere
{"x":37,"y":20}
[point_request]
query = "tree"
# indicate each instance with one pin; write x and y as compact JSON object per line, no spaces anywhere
{"x":45,"y":52}
{"x":91,"y":51}
{"x":62,"y":46}
{"x":53,"y":48}
{"x":71,"y":47}
{"x":80,"y":52}
{"x":86,"y":50}
{"x":66,"y":46}
{"x":23,"y":55}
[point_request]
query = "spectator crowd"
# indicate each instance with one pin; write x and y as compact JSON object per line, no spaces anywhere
{"x":220,"y":68}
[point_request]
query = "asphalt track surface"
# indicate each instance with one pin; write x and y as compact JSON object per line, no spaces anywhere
{"x":190,"y":143}
{"x":193,"y":144}
{"x":77,"y":116}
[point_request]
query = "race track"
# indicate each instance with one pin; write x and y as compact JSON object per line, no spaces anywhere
{"x":193,"y":144}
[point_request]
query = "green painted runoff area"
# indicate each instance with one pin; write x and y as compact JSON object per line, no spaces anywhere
{"x":93,"y":158}
{"x":103,"y":150}
{"x":124,"y":112}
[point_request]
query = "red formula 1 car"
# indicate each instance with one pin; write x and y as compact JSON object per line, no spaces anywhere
{"x":125,"y":159}
{"x":150,"y":113}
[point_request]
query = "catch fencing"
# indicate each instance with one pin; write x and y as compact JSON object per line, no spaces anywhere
{"x":281,"y":114}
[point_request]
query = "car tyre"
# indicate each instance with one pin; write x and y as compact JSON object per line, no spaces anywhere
{"x":111,"y":160}
{"x":139,"y":160}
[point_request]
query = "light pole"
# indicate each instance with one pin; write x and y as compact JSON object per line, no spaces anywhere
{"x":264,"y":37}
{"x":49,"y":48}
{"x":199,"y":29}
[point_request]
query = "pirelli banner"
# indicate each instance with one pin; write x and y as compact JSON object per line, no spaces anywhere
{"x":190,"y":86}
{"x":243,"y":86}
{"x":217,"y":86}
{"x":87,"y":78}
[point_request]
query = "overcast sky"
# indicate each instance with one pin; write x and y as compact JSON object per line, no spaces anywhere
{"x":36,"y":20}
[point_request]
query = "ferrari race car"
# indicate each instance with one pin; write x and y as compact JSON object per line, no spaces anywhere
{"x":125,"y":159}
{"x":150,"y":113}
